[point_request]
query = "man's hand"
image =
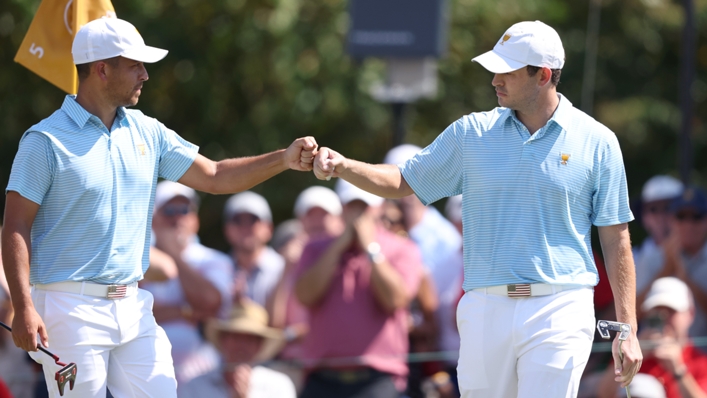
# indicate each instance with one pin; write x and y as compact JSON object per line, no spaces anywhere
{"x":365,"y":228}
{"x":239,"y":381}
{"x":173,"y":242}
{"x":669,"y":353}
{"x":632,"y":358}
{"x":300,"y":154}
{"x":25,"y":327}
{"x":328,"y":163}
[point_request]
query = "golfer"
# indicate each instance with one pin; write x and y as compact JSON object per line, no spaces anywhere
{"x":78,"y":215}
{"x":535,"y":174}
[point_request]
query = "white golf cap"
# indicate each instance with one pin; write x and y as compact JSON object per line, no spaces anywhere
{"x":401,"y":153}
{"x":668,"y":292}
{"x":453,"y":208}
{"x":106,"y":38}
{"x":348,"y":192}
{"x":248,"y":202}
{"x":317,"y":196}
{"x":645,"y":386}
{"x":523,"y":44}
{"x":661,"y":187}
{"x":168,"y":190}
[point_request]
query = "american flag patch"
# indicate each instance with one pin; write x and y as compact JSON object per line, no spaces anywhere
{"x":117,"y":291}
{"x":519,"y":290}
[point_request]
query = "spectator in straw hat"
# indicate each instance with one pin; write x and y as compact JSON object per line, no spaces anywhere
{"x":245,"y":341}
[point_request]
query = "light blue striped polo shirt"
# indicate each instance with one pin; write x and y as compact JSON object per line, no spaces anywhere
{"x":529,"y":200}
{"x":96,"y":189}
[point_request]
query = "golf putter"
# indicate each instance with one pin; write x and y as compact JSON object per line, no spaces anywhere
{"x":624,"y":329}
{"x":67,"y":374}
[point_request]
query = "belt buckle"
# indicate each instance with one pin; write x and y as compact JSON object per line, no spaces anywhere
{"x":117,"y":291}
{"x":518,"y":290}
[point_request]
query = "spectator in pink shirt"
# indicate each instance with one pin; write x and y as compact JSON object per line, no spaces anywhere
{"x":357,"y":288}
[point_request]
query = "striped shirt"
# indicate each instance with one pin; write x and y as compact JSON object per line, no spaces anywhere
{"x":529,"y":200}
{"x":96,"y":190}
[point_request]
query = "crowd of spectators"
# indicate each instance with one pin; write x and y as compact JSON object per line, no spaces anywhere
{"x":336,"y":301}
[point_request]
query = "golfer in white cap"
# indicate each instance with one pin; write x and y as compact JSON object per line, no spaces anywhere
{"x":535,"y":174}
{"x":78,"y":214}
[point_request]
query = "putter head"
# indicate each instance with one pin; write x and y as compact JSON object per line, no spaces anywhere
{"x":64,"y":375}
{"x":604,"y":327}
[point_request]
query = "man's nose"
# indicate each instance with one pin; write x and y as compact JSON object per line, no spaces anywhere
{"x":143,"y":73}
{"x":497,"y":80}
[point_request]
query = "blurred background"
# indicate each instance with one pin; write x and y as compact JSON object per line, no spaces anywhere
{"x":248,"y":76}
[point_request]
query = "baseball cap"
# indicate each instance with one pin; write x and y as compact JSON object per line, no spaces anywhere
{"x":248,"y":202}
{"x":401,"y":153}
{"x":668,"y":292}
{"x":525,"y":43}
{"x":348,"y":192}
{"x":644,"y":386}
{"x":661,"y":187}
{"x":317,"y":196}
{"x":168,"y":190}
{"x":691,"y":197}
{"x":105,"y":38}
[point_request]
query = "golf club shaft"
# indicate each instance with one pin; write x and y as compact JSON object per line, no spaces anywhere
{"x":621,"y":358}
{"x":39,"y":347}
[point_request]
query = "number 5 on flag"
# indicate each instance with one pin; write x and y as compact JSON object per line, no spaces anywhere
{"x":46,"y":48}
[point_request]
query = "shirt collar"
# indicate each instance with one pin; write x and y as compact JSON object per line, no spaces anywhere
{"x":561,"y":117}
{"x":80,"y":115}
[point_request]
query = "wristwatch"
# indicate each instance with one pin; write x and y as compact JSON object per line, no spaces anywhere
{"x":679,"y":375}
{"x":374,"y":253}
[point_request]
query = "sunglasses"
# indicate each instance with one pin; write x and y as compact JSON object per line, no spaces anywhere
{"x":244,"y":219}
{"x":657,"y":209}
{"x":175,"y":210}
{"x":690,"y":217}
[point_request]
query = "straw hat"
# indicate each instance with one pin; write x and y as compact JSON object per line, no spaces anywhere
{"x":249,"y":318}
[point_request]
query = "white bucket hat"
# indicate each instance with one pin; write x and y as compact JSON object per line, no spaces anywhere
{"x":523,"y":44}
{"x":106,"y":38}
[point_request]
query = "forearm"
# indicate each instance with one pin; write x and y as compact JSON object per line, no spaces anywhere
{"x":16,"y":249}
{"x":162,"y":267}
{"x":233,"y":175}
{"x":689,"y":387}
{"x":388,"y":287}
{"x":200,"y":293}
{"x":622,"y":275}
{"x":168,"y":313}
{"x":384,"y":180}
{"x":314,"y":283}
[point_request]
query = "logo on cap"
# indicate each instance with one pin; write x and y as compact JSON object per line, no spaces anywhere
{"x":505,"y":38}
{"x":565,"y":157}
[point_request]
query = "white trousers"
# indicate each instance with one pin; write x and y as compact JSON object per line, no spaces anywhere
{"x":526,"y":348}
{"x":114,"y":343}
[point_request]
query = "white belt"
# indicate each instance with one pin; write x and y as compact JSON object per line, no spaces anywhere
{"x":519,"y":290}
{"x":91,"y":289}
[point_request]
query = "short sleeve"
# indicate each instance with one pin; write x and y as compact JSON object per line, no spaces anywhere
{"x":33,"y":168}
{"x":610,"y":204}
{"x":176,"y":154}
{"x":436,"y":172}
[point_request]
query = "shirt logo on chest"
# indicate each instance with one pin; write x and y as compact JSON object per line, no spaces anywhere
{"x":564,"y":157}
{"x":142,"y":149}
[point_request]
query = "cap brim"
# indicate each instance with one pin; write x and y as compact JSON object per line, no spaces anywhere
{"x":146,"y":54}
{"x":495,"y":63}
{"x":665,"y":300}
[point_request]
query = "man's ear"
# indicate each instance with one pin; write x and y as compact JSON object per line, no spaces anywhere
{"x":545,"y":76}
{"x":101,"y":70}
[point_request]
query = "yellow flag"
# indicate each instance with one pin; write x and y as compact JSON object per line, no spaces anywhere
{"x":46,"y":48}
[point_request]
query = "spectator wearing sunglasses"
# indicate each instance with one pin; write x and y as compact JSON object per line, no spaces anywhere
{"x":657,"y":194}
{"x":686,"y":251}
{"x":200,"y":289}
{"x":248,"y":229}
